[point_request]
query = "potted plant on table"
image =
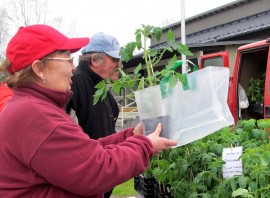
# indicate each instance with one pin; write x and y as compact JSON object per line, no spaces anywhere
{"x":145,"y":183}
{"x":255,"y":93}
{"x":152,"y":77}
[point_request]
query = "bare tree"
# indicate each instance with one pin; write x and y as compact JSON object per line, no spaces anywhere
{"x":17,"y":13}
{"x":4,"y":29}
{"x":27,"y":12}
{"x":58,"y":21}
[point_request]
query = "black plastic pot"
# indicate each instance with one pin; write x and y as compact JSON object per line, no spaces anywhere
{"x":145,"y":186}
{"x":256,"y":108}
{"x":151,"y":124}
{"x":162,"y":191}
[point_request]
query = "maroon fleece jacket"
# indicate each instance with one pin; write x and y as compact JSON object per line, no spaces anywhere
{"x":43,"y":153}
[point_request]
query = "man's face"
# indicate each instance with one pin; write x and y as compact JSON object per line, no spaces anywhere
{"x":110,"y":67}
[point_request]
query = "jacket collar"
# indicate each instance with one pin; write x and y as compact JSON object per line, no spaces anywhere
{"x":59,"y":98}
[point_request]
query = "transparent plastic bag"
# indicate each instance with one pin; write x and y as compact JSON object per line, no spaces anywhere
{"x":188,"y":115}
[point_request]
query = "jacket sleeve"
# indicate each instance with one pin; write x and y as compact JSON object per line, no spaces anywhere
{"x":117,"y":137}
{"x":90,"y":168}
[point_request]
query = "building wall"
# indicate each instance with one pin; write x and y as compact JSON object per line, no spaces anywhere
{"x":223,"y":16}
{"x":232,"y":55}
{"x":219,"y":16}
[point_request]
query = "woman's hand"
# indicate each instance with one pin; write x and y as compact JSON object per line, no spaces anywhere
{"x":160,"y":143}
{"x":138,"y":130}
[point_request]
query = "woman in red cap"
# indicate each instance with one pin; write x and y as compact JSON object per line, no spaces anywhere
{"x":43,"y":153}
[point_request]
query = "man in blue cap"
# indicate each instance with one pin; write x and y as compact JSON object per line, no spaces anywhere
{"x":100,"y":59}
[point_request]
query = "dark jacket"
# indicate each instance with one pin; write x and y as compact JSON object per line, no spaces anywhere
{"x":96,"y":120}
{"x":43,"y":153}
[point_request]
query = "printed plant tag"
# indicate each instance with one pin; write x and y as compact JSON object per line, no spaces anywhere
{"x":233,"y":165}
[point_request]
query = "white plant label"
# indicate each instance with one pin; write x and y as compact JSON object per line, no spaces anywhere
{"x":233,"y":165}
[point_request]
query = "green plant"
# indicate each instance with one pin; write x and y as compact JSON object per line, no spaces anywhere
{"x":151,"y":58}
{"x":195,"y":170}
{"x":255,"y":91}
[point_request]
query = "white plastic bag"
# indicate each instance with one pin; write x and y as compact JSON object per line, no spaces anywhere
{"x":243,"y":99}
{"x":189,"y":115}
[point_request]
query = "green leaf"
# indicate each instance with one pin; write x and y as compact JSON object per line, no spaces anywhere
{"x":99,"y":94}
{"x":256,"y":133}
{"x":206,"y":195}
{"x":264,"y":163}
{"x":153,"y":52}
{"x":183,"y":49}
{"x":100,"y":85}
{"x":170,"y":39}
{"x":170,"y":49}
{"x":264,"y":135}
{"x":249,"y":125}
{"x":157,"y":33}
{"x":104,"y":93}
{"x":116,"y":87}
{"x":240,"y":192}
{"x":122,"y":72}
{"x":233,"y":184}
{"x":173,"y":81}
{"x":141,"y":83}
{"x":137,"y":69}
{"x":139,"y":41}
{"x":171,"y":63}
{"x":262,"y":180}
{"x":253,"y":186}
{"x":243,"y":181}
{"x":131,"y":83}
{"x":126,"y":52}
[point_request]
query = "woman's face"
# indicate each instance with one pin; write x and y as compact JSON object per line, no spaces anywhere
{"x":58,"y":71}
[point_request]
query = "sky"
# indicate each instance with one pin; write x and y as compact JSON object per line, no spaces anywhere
{"x":121,"y":18}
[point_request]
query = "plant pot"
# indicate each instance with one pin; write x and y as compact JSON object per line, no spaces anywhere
{"x":145,"y":186}
{"x":189,"y":115}
{"x":256,"y":107}
{"x":150,"y":125}
{"x":162,"y":191}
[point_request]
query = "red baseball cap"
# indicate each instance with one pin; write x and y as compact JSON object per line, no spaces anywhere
{"x":33,"y":42}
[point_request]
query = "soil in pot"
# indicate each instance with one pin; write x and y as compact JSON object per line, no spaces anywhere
{"x":150,"y":125}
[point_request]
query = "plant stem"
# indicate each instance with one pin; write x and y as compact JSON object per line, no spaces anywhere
{"x":147,"y":64}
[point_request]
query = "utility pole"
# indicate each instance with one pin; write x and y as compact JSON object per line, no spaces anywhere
{"x":183,"y":35}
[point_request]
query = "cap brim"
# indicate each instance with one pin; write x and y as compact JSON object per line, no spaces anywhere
{"x":74,"y":44}
{"x":114,"y":54}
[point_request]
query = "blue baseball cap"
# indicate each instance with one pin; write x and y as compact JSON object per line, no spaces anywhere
{"x":101,"y":42}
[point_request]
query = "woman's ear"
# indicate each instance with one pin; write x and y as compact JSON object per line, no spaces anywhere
{"x":37,"y":67}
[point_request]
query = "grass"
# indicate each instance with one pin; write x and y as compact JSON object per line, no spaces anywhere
{"x":126,"y":188}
